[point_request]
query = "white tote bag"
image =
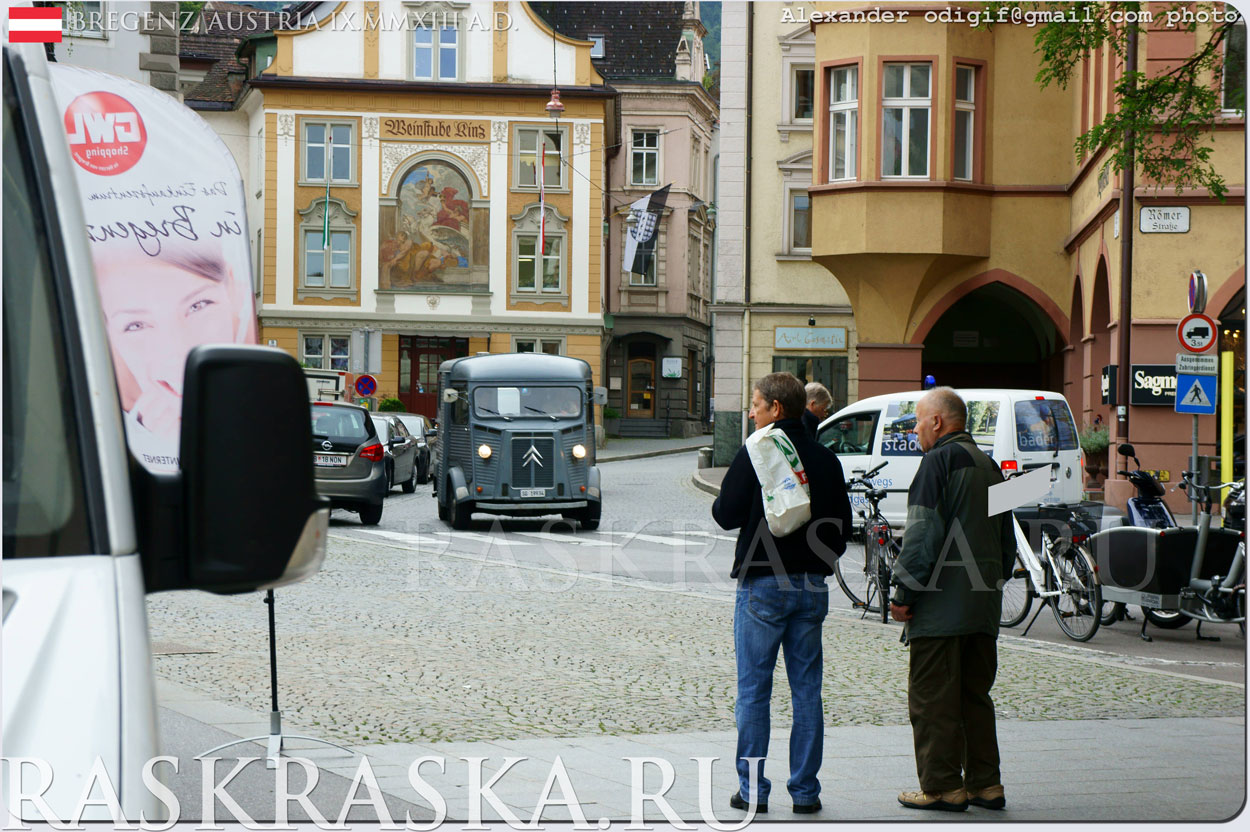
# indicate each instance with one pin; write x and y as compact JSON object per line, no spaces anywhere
{"x":787,"y":502}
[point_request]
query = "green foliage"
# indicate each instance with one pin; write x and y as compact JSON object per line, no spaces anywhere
{"x":611,"y":413}
{"x":1163,"y":122}
{"x":391,"y":404}
{"x":1095,"y":438}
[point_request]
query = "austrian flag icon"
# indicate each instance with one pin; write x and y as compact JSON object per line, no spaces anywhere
{"x":31,"y":25}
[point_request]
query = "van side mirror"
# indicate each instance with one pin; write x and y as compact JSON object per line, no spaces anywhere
{"x":227,"y":535}
{"x":599,"y":395}
{"x":1125,"y":449}
{"x":450,"y":395}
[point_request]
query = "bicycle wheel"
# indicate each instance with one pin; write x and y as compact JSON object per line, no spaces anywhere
{"x":1112,"y":611}
{"x":852,"y":575}
{"x":1078,"y":606}
{"x":1017,"y":599}
{"x":1166,"y":619}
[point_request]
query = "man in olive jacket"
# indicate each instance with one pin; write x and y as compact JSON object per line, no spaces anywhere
{"x":950,"y":596}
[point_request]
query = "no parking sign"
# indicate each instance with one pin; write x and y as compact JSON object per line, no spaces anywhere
{"x":366,"y":385}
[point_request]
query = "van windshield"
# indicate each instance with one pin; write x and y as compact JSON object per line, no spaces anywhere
{"x":1045,"y":425}
{"x":522,"y":402}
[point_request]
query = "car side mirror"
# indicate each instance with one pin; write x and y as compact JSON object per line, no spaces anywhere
{"x":431,"y":433}
{"x":233,"y":537}
{"x":396,"y":440}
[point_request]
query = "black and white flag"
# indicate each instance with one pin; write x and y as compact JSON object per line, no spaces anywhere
{"x":640,"y":239}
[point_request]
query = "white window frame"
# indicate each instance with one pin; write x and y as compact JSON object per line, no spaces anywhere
{"x":341,"y":221}
{"x":793,"y":93}
{"x":908,"y":103}
{"x":326,"y":358}
{"x":562,"y":153}
{"x":598,"y":45}
{"x":798,"y":51}
{"x":1226,"y":111}
{"x":644,"y":151}
{"x":537,"y":342}
{"x":965,"y":106}
{"x":849,"y":108}
{"x":328,"y":146}
{"x":85,"y":15}
{"x":561,"y":258}
{"x":646,"y":280}
{"x":434,"y":24}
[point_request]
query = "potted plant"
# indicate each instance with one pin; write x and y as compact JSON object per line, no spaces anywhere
{"x":1094,"y":441}
{"x":391,"y":405}
{"x":611,"y":421}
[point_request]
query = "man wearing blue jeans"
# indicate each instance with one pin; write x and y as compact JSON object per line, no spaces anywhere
{"x":782,"y":598}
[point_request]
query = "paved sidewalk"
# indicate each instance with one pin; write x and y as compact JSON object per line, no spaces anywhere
{"x":709,"y":479}
{"x":1115,"y":769}
{"x":630,"y":448}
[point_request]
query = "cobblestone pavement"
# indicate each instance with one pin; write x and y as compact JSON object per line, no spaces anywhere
{"x":388,"y":645}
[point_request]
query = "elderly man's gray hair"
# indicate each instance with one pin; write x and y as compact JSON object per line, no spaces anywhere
{"x":945,"y":401}
{"x":818,"y":393}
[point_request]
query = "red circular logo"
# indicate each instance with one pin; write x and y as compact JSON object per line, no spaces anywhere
{"x":106,"y":133}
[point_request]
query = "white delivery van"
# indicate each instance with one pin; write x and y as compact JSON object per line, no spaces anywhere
{"x":87,"y":531}
{"x":1020,"y":429}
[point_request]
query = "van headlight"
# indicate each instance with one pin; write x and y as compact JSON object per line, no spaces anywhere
{"x":483,"y":451}
{"x":579,"y":451}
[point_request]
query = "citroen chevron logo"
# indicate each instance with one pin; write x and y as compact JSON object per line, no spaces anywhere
{"x":532,"y":457}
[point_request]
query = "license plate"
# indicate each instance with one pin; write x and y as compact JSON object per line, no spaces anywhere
{"x":329,"y":460}
{"x":533,"y":492}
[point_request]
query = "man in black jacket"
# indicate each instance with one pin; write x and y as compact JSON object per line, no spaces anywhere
{"x":782,"y":598}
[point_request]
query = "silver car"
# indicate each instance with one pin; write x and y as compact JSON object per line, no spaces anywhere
{"x":419,"y":427}
{"x":401,"y":452}
{"x":349,"y":459}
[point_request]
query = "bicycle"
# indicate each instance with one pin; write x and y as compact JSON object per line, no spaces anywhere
{"x":866,"y":582}
{"x":1064,"y":577}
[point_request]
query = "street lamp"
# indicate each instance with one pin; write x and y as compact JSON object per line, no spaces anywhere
{"x":554,"y":108}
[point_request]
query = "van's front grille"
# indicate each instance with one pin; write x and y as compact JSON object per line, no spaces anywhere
{"x":533,"y":468}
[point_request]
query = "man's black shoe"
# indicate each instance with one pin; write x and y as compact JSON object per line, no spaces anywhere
{"x":741,"y":805}
{"x":806,"y":808}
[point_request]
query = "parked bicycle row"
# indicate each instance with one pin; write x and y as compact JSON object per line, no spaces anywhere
{"x":1087,"y":562}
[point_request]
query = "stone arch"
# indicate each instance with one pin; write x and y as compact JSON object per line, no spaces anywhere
{"x":970,"y":285}
{"x":1074,"y":386}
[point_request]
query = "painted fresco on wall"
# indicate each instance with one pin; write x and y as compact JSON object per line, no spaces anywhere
{"x":429,"y":237}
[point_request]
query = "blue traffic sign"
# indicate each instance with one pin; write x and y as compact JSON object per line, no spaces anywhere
{"x":366,"y":385}
{"x":1196,"y":394}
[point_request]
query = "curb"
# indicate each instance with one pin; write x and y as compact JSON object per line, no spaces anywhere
{"x":703,"y":485}
{"x":649,"y":454}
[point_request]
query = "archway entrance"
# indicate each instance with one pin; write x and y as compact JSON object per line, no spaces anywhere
{"x":995,"y":336}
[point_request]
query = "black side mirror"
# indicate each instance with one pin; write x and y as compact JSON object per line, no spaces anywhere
{"x":1125,"y":449}
{"x":239,"y":537}
{"x":396,"y":440}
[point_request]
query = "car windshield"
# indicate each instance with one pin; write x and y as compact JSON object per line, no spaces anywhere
{"x":1045,"y":425}
{"x":520,"y":402}
{"x":414,"y":424}
{"x":338,"y":422}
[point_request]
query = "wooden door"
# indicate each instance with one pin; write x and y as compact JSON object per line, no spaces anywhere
{"x":641,"y":401}
{"x":418,"y":371}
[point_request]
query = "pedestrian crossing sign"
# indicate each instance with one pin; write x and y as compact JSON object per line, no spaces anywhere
{"x":1195,"y":394}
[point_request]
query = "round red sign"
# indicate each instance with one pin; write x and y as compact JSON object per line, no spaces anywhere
{"x":1197,"y":332}
{"x":106,"y":134}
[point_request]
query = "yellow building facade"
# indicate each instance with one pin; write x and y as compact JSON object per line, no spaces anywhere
{"x":947,"y":202}
{"x":401,"y":145}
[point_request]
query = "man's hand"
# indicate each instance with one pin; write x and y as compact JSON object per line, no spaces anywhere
{"x":900,"y":613}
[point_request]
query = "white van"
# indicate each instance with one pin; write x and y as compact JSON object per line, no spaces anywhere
{"x":1020,"y":429}
{"x":87,"y":531}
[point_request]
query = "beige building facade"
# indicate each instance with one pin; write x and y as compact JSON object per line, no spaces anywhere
{"x":973,"y":245}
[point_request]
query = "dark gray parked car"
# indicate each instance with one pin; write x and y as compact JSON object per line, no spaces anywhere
{"x":349,"y":459}
{"x":401,"y":452}
{"x":419,"y":427}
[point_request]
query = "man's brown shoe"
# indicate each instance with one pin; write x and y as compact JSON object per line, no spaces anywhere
{"x":991,"y":797}
{"x":955,"y":800}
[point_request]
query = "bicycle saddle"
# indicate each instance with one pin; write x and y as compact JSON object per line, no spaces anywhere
{"x":875,"y":493}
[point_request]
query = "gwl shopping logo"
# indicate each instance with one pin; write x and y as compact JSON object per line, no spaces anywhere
{"x":28,"y":25}
{"x":106,"y":133}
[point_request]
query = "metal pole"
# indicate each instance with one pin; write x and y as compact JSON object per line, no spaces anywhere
{"x":1128,"y":184}
{"x":1193,"y":466}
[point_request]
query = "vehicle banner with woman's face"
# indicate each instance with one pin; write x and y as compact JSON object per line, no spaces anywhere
{"x":164,"y":208}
